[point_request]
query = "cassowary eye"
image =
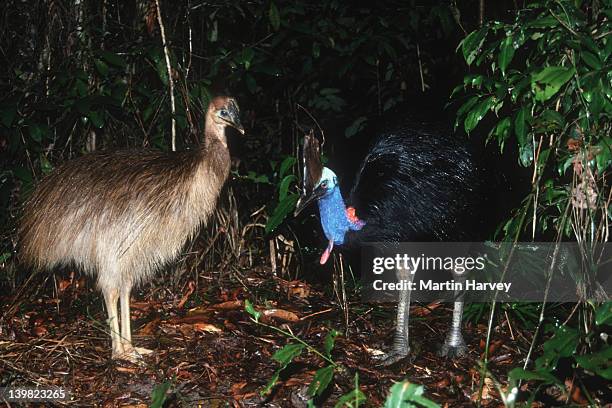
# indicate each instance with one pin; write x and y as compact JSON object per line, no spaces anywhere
{"x":324,"y":184}
{"x":223,"y":113}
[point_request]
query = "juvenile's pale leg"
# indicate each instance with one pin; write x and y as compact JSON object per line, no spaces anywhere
{"x":401,"y":346}
{"x":454,"y":345}
{"x":131,"y":353}
{"x":111,"y":296}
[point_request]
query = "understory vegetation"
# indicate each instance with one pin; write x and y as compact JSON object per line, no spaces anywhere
{"x":533,"y":79}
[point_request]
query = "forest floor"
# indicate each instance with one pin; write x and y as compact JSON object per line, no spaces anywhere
{"x":208,"y":351}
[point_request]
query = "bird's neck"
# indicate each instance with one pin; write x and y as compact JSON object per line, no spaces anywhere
{"x":334,"y":219}
{"x":214,"y":132}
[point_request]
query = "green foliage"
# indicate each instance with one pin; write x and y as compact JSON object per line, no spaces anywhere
{"x":546,"y":78}
{"x":159,"y":394}
{"x":407,"y":395}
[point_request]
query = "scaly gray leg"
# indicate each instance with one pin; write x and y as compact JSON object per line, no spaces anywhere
{"x":401,"y":347}
{"x":454,"y":345}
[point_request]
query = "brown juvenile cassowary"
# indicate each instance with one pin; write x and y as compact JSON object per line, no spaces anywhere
{"x":121,"y":216}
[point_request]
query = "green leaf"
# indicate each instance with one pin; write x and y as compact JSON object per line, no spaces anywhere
{"x":404,"y":394}
{"x":284,"y":186}
{"x":158,"y":396}
{"x":603,"y":314}
{"x":476,"y":114}
{"x":506,"y":52}
{"x":286,"y":164}
{"x":352,"y":399}
{"x":355,"y":127}
{"x":547,"y":82}
{"x":286,"y":355}
{"x":330,"y":340}
{"x":562,"y":344}
{"x":247,"y":57}
{"x":321,"y":381}
{"x":599,"y":363}
{"x":281,"y":211}
{"x":96,"y":119}
{"x":502,"y":130}
{"x":591,"y":59}
{"x":37,"y":132}
{"x":470,"y":46}
{"x":4,"y":257}
{"x":250,"y":309}
{"x":45,"y":165}
{"x":268,"y":387}
{"x":540,"y":375}
{"x":113,"y":59}
{"x":274,"y":16}
{"x":101,"y":67}
{"x":520,"y":125}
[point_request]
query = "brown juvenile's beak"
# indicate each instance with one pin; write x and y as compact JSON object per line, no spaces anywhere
{"x":236,"y":124}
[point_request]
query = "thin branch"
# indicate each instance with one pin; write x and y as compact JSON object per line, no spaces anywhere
{"x":169,"y":69}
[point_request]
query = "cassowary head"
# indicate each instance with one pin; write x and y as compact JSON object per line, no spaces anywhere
{"x":224,"y":111}
{"x":319,"y":181}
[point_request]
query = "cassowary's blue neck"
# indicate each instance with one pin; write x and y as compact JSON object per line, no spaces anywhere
{"x":334,"y":219}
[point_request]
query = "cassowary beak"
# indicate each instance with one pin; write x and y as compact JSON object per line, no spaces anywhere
{"x":307,"y":198}
{"x":236,"y":124}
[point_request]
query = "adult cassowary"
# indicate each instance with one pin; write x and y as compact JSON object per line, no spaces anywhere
{"x":417,"y":183}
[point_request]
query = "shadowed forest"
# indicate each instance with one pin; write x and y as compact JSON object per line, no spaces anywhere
{"x":246,"y":314}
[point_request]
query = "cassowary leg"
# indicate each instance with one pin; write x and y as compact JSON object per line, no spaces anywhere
{"x":111,"y":296}
{"x":130,"y":352}
{"x":454,"y":345}
{"x":401,"y":346}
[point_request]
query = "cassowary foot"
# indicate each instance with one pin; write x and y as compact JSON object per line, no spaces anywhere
{"x":132,"y":354}
{"x":448,"y":350}
{"x":392,"y":357}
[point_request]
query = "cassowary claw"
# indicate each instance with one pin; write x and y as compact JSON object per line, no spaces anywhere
{"x":391,"y":357}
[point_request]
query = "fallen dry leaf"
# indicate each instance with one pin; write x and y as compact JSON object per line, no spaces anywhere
{"x":281,"y":314}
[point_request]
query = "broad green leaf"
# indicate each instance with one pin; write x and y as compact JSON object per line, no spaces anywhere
{"x":250,"y":309}
{"x":274,"y":16}
{"x":520,"y":125}
{"x":591,"y":59}
{"x":404,"y":394}
{"x":541,"y":375}
{"x":101,"y":67}
{"x":502,"y":130}
{"x":37,"y":132}
{"x":281,"y":211}
{"x":355,"y":127}
{"x":284,"y":186}
{"x":470,"y":46}
{"x":477,"y":113}
{"x":562,"y":344}
{"x":600,"y":363}
{"x":286,"y":164}
{"x":321,"y":381}
{"x":97,"y":119}
{"x":113,"y":59}
{"x":603,"y":314}
{"x":547,"y":82}
{"x":286,"y":355}
{"x":506,"y":52}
